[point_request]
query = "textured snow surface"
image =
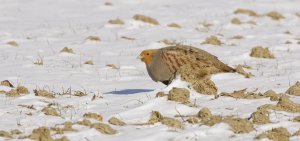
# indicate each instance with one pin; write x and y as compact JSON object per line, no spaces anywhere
{"x":42,"y":28}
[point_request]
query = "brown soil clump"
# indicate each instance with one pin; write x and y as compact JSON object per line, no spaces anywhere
{"x":237,"y":37}
{"x":181,"y":95}
{"x":245,"y":11}
{"x":161,"y":94}
{"x":93,"y":38}
{"x":276,"y":134}
{"x":171,"y":122}
{"x":85,"y":122}
{"x":6,"y":83}
{"x":175,"y":25}
{"x":89,"y":62}
{"x":15,"y":132}
{"x":284,"y":104}
{"x":41,"y":134}
{"x":242,"y":94}
{"x":43,"y":93}
{"x":239,"y":125}
{"x":199,"y":79}
{"x":95,"y":116}
{"x":13,"y":93}
{"x":239,"y":69}
{"x":68,"y":126}
{"x":104,"y":128}
{"x":67,"y":50}
{"x":274,"y":15}
{"x":12,"y":43}
{"x":5,"y":134}
{"x":297,"y":133}
{"x":157,"y":117}
{"x":260,"y":117}
{"x":207,"y":118}
{"x":113,"y":66}
{"x":50,"y":111}
{"x":294,"y":90}
{"x":260,"y":52}
{"x":236,"y":21}
{"x":116,"y":21}
{"x":116,"y":121}
{"x":296,"y":119}
{"x":192,"y":120}
{"x":22,"y":90}
{"x":145,"y":19}
{"x":213,"y":40}
{"x":273,"y":96}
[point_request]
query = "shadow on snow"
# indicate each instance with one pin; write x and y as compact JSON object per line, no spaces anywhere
{"x":129,"y":91}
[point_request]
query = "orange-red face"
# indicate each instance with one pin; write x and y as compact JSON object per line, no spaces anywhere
{"x":147,"y":55}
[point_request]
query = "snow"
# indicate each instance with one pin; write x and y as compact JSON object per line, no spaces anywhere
{"x":42,"y":28}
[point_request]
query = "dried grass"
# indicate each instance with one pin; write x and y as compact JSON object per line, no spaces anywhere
{"x":67,"y":50}
{"x":175,"y":25}
{"x":213,"y":40}
{"x":12,"y":43}
{"x":245,"y":11}
{"x":274,"y":15}
{"x":95,"y":116}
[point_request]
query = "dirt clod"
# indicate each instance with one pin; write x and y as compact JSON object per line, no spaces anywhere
{"x":274,"y":15}
{"x":104,"y":128}
{"x":260,"y":117}
{"x":175,"y":25}
{"x":192,"y":120}
{"x":171,"y":122}
{"x":85,"y":122}
{"x":296,"y":119}
{"x":179,"y":94}
{"x":41,"y":134}
{"x":5,"y":134}
{"x":145,"y":19}
{"x":50,"y":111}
{"x":155,"y":117}
{"x":43,"y":93}
{"x":260,"y":52}
{"x":116,"y":121}
{"x":245,"y":11}
{"x":89,"y":62}
{"x":13,"y":93}
{"x":161,"y":94}
{"x":273,"y":96}
{"x":67,"y":50}
{"x":213,"y":40}
{"x":236,"y":21}
{"x":93,"y":38}
{"x":294,"y":90}
{"x":22,"y":90}
{"x":116,"y":21}
{"x":239,"y":125}
{"x":95,"y":116}
{"x":6,"y":83}
{"x":12,"y":43}
{"x":242,"y":94}
{"x":207,"y":118}
{"x":239,"y":69}
{"x":276,"y":134}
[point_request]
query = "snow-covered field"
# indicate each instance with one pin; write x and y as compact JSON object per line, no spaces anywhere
{"x":33,"y":33}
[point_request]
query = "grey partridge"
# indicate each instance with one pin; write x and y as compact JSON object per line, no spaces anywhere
{"x":163,"y":64}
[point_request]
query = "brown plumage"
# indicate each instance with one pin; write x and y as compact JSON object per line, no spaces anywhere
{"x":163,"y":64}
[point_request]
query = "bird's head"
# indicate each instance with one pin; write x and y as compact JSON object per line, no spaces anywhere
{"x":147,"y":55}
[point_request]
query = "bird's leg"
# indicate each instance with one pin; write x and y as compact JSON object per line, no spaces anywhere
{"x":166,"y":82}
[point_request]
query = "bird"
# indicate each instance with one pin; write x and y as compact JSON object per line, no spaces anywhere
{"x":163,"y":64}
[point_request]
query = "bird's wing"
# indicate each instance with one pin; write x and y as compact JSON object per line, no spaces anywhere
{"x":181,"y":55}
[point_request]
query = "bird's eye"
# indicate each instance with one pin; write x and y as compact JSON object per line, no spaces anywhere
{"x":147,"y":54}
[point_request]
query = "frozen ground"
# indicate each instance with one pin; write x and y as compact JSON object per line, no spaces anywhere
{"x":42,"y":28}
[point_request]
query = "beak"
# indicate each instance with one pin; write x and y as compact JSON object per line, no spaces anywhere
{"x":139,"y":57}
